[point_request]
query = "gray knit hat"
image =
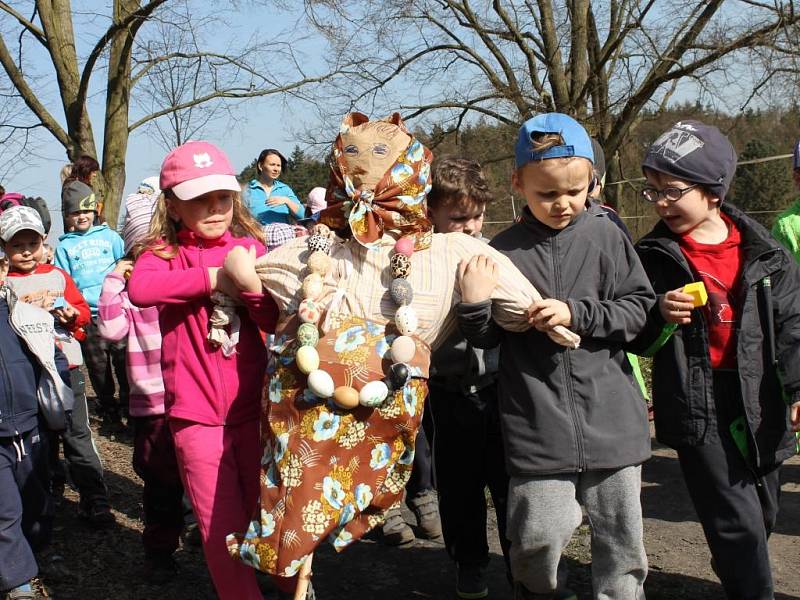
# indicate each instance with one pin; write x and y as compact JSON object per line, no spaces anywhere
{"x":694,"y":152}
{"x":77,"y":196}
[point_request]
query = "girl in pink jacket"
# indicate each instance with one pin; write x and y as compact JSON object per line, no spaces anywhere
{"x":212,"y":392}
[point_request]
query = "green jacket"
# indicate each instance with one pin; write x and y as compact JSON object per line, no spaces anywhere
{"x":787,"y":229}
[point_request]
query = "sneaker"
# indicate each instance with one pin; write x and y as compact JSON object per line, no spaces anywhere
{"x":426,"y":508}
{"x":17,"y":594}
{"x":471,"y":582}
{"x":395,"y":530}
{"x":97,"y":512}
{"x":160,"y":568}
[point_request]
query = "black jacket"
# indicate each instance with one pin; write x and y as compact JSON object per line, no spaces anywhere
{"x":563,"y":410}
{"x":682,"y":376}
{"x":19,"y":379}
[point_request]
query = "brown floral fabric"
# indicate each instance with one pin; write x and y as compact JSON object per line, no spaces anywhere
{"x":329,"y":474}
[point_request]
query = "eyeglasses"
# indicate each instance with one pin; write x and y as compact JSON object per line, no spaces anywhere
{"x":670,"y":194}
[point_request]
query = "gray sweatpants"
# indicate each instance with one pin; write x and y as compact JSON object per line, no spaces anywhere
{"x":543,"y":512}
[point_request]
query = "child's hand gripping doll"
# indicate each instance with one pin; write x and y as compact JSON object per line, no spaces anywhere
{"x":362,"y":300}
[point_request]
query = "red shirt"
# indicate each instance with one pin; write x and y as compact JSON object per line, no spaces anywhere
{"x":719,"y":267}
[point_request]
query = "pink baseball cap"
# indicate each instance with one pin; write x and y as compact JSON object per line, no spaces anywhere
{"x":196,"y":168}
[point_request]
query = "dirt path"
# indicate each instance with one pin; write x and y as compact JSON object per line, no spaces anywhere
{"x":83,"y":564}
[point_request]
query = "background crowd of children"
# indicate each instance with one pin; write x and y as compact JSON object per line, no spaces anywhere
{"x":551,"y":432}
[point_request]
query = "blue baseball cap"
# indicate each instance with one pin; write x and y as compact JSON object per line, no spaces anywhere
{"x":796,"y":157}
{"x":576,"y":141}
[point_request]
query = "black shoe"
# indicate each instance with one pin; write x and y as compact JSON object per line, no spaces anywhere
{"x":160,"y":568}
{"x":471,"y":582}
{"x":191,"y":535}
{"x":97,"y":512}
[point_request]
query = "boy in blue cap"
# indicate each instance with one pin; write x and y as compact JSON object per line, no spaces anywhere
{"x":787,"y":226}
{"x":574,"y":421}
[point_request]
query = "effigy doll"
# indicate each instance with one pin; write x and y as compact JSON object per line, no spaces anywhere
{"x":362,"y":302}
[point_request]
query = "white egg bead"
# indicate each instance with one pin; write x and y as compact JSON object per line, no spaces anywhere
{"x":321,"y":384}
{"x":307,"y":359}
{"x":403,"y":349}
{"x":373,"y":394}
{"x":406,"y":319}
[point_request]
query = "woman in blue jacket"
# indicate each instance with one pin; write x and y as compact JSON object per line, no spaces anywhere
{"x":270,"y":200}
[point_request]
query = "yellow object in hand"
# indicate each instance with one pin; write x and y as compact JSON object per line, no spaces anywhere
{"x":697,"y":291}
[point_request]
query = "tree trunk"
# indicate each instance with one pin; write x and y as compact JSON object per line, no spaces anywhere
{"x":115,"y":135}
{"x":56,"y":18}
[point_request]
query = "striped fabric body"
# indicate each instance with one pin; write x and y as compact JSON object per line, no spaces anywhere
{"x":121,"y":320}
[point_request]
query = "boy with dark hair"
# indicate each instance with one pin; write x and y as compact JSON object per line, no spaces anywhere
{"x":787,"y":226}
{"x":88,"y":252}
{"x":51,"y":289}
{"x":574,"y":421}
{"x":726,"y":372}
{"x":462,"y":394}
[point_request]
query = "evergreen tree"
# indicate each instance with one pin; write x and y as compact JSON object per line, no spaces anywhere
{"x":761,"y":189}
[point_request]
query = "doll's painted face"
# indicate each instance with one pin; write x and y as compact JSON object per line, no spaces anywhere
{"x":370,"y":149}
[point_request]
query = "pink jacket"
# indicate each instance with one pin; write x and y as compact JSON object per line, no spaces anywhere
{"x":119,"y":319}
{"x":201,"y":384}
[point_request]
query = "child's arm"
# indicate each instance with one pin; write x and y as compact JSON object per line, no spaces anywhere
{"x":240,"y":268}
{"x":622,"y":317}
{"x":153,"y":283}
{"x":113,"y":323}
{"x":76,"y":313}
{"x":478,"y":278}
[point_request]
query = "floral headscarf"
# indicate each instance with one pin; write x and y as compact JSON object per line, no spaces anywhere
{"x":397,"y":201}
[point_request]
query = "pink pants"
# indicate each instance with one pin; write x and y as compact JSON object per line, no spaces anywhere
{"x":219,"y":467}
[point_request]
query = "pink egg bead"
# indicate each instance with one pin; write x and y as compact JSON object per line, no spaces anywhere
{"x":405,"y":245}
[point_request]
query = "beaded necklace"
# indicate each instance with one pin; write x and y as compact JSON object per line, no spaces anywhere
{"x":403,"y":348}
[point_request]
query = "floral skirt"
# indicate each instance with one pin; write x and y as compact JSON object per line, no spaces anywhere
{"x":326,"y":473}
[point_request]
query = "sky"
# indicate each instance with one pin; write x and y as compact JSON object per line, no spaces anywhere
{"x":265,"y":122}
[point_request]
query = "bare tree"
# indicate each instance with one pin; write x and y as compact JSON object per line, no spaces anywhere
{"x":135,"y":47}
{"x":603,"y":62}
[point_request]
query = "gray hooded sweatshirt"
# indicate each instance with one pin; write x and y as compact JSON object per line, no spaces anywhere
{"x":564,"y":410}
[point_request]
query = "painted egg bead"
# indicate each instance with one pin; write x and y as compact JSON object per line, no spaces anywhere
{"x":373,"y":394}
{"x":320,"y":384}
{"x":401,"y":265}
{"x":321,"y":229}
{"x":307,"y":334}
{"x":403,"y":349}
{"x":319,"y":243}
{"x":405,"y":245}
{"x":307,"y":359}
{"x":345,"y":397}
{"x":319,"y":262}
{"x":313,"y":286}
{"x":398,"y":375}
{"x":406,"y":320}
{"x":401,"y":291}
{"x":309,"y":311}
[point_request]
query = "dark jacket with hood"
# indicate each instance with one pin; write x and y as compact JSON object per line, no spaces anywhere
{"x":564,"y":410}
{"x":19,"y":379}
{"x":767,"y":345}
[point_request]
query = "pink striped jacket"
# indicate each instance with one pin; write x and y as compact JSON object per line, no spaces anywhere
{"x":118,"y":319}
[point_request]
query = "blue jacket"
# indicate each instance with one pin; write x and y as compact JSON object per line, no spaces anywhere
{"x":255,"y":198}
{"x":88,"y":257}
{"x":19,"y":378}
